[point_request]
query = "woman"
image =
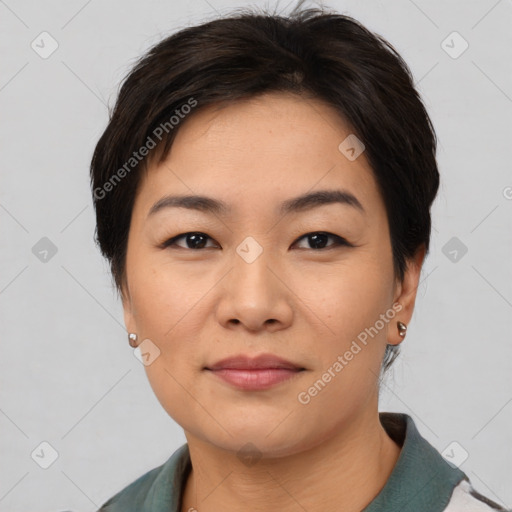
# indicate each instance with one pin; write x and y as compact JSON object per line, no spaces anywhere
{"x":263,"y":194}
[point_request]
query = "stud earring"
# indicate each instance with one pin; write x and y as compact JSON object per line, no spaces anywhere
{"x":402,"y":328}
{"x":132,"y":339}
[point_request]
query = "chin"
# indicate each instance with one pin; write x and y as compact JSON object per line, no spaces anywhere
{"x":257,"y":440}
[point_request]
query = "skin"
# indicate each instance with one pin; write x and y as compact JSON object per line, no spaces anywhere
{"x":201,"y":305}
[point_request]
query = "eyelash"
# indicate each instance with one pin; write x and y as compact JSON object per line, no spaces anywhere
{"x":339,"y":241}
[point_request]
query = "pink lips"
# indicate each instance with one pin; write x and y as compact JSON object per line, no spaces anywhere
{"x":257,"y":373}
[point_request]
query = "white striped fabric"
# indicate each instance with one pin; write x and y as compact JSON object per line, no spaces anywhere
{"x":466,"y":499}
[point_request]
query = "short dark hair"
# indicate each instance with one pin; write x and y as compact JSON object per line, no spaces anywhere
{"x":312,"y":53}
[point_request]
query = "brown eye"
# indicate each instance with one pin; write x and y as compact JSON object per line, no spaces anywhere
{"x":319,"y":240}
{"x":193,"y":240}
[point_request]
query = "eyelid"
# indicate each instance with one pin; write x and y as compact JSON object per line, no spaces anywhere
{"x":171,"y":242}
{"x":339,"y":240}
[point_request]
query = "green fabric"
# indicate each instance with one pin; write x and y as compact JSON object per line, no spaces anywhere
{"x":421,"y":481}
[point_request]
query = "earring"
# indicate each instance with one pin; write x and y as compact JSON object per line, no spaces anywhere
{"x":132,"y":339}
{"x":402,"y":328}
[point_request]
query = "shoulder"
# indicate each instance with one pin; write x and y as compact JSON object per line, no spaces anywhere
{"x":134,"y":494}
{"x":466,"y":499}
{"x":423,"y":479}
{"x":157,"y":489}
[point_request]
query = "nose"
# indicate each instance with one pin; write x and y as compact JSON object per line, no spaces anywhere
{"x":255,"y":296}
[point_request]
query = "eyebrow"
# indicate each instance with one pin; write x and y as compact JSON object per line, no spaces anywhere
{"x":304,"y":202}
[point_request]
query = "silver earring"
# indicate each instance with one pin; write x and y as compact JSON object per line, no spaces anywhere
{"x":402,"y":328}
{"x":132,"y":339}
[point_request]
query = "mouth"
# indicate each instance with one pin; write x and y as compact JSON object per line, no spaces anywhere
{"x":253,"y":374}
{"x":261,"y":362}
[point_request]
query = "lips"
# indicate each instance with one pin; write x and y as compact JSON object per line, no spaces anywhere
{"x":255,"y":373}
{"x":261,"y":362}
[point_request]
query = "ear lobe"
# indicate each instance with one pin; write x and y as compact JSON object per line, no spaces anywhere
{"x":407,"y":290}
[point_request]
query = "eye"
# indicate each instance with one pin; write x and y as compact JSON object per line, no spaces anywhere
{"x":318,"y":240}
{"x":195,"y":239}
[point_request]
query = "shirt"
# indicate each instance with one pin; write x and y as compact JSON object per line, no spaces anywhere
{"x":421,"y":481}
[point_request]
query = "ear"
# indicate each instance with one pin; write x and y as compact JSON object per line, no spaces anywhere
{"x":129,"y":318}
{"x":405,"y":294}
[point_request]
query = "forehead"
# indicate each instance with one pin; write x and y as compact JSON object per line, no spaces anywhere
{"x":254,"y":151}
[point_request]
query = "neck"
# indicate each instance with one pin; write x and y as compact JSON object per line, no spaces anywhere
{"x":344,"y":472}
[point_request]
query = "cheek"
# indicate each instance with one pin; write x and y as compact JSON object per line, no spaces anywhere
{"x":352,"y":346}
{"x":174,"y":390}
{"x":350,"y":299}
{"x":353,"y":343}
{"x":164,"y":303}
{"x":161,"y":296}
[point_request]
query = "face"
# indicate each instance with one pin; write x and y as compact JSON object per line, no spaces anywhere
{"x":307,"y":283}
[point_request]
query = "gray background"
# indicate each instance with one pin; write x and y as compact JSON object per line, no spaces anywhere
{"x":68,"y":376}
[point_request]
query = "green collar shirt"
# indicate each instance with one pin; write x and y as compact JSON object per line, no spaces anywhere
{"x":421,"y":481}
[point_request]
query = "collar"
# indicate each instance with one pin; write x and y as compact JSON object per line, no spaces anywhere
{"x":421,"y":481}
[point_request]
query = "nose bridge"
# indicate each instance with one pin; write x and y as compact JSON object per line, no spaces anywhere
{"x":250,"y":266}
{"x":253,"y":295}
